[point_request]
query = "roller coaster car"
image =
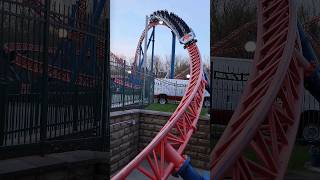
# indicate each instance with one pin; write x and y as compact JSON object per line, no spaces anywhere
{"x":153,"y":18}
{"x":188,"y":38}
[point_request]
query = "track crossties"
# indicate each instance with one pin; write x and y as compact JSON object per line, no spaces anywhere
{"x":259,"y":138}
{"x":164,"y":154}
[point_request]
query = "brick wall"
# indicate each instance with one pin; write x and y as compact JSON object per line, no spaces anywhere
{"x":124,"y":128}
{"x":132,"y":130}
{"x":198,"y":147}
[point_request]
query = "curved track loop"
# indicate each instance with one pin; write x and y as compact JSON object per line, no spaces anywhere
{"x":163,"y":155}
{"x":138,"y":49}
{"x":177,"y":131}
{"x":172,"y":21}
{"x":258,"y":140}
{"x":55,"y":72}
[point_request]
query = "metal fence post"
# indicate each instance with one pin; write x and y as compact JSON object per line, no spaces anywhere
{"x":151,"y":93}
{"x":133,"y":86}
{"x":3,"y":82}
{"x":149,"y":87}
{"x":75,"y":106}
{"x":123,"y":84}
{"x":44,"y":91}
{"x":3,"y":104}
{"x":106,"y":92}
{"x":143,"y":86}
{"x":212,"y":132}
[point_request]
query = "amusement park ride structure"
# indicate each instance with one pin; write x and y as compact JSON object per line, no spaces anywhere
{"x":259,"y":138}
{"x":266,"y":120}
{"x":139,"y":54}
{"x":163,"y":154}
{"x":90,"y":45}
{"x":65,"y":46}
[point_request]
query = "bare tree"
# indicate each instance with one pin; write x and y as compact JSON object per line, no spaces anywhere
{"x":159,"y":67}
{"x":228,"y":16}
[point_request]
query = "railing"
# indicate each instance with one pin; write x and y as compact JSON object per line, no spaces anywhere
{"x":54,"y":71}
{"x":130,"y":87}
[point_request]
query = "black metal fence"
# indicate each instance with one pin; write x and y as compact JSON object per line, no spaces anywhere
{"x":229,"y":80}
{"x":130,"y":87}
{"x":54,"y":71}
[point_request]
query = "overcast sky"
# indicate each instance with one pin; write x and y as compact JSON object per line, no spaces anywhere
{"x":127,"y":21}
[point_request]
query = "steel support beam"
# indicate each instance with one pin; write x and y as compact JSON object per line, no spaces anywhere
{"x":173,"y":55}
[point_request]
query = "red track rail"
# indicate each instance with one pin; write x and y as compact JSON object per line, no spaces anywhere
{"x":53,"y":71}
{"x":137,"y":53}
{"x":163,"y":155}
{"x":36,"y":67}
{"x":266,"y":120}
{"x":177,"y":131}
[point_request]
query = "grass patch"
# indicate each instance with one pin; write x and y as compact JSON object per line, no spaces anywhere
{"x":162,"y":107}
{"x":299,"y":157}
{"x":170,"y":108}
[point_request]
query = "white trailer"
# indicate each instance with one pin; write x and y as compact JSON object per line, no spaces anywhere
{"x":166,"y":90}
{"x":230,"y":76}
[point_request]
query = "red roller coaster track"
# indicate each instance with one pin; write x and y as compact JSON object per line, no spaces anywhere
{"x":36,"y":67}
{"x":137,"y":53}
{"x":164,"y":153}
{"x":54,"y":71}
{"x":259,"y":138}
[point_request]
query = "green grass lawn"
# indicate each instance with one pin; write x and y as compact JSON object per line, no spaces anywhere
{"x":299,"y":157}
{"x":170,"y":108}
{"x":300,"y":154}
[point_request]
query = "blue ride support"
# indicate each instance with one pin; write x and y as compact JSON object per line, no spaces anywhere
{"x":151,"y":39}
{"x":173,"y":55}
{"x":188,"y":173}
{"x":152,"y":52}
{"x":183,"y":166}
{"x":141,"y":58}
{"x":94,"y":22}
{"x":208,"y":87}
{"x":312,"y":79}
